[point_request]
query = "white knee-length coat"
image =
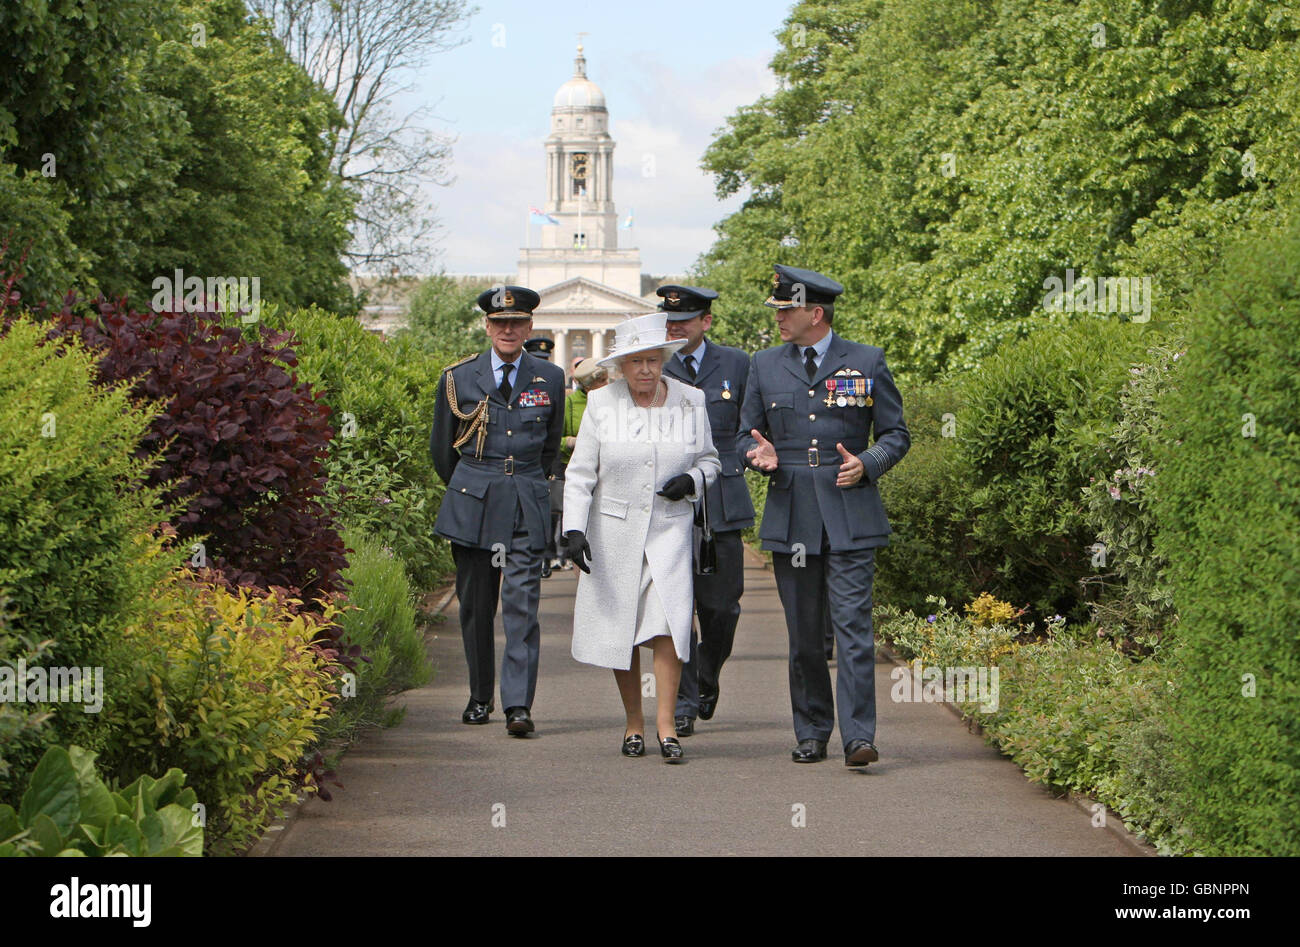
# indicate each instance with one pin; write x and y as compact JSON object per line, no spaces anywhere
{"x":622,"y":458}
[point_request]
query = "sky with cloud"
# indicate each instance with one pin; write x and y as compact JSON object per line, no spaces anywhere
{"x":671,"y":72}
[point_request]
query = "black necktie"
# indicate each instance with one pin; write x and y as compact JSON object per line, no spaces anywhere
{"x":690,"y":366}
{"x":504,"y":387}
{"x":810,"y":362}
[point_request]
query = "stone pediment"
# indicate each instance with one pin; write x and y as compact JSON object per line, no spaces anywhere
{"x":579,"y":294}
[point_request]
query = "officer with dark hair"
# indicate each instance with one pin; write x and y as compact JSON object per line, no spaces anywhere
{"x":720,"y":372}
{"x":824,"y":420}
{"x":496,"y":432}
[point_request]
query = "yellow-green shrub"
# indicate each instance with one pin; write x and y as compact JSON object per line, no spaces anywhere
{"x":948,"y":639}
{"x":226,"y":684}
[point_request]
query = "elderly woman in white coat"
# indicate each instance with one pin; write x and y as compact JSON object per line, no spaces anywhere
{"x":644,"y":452}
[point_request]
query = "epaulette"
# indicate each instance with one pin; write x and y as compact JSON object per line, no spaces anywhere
{"x":467,"y":358}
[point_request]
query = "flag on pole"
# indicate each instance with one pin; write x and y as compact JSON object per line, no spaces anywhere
{"x":627,"y":221}
{"x":536,"y":216}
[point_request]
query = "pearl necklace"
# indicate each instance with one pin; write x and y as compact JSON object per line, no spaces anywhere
{"x":655,"y":402}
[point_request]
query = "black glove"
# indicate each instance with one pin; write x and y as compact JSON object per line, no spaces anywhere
{"x":576,"y":548}
{"x":678,"y":487}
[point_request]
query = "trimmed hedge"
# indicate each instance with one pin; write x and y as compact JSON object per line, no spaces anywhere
{"x":1228,"y":504}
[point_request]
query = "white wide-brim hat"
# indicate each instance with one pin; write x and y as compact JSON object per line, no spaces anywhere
{"x":641,"y":334}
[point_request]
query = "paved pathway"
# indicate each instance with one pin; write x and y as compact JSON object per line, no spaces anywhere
{"x":433,"y":786}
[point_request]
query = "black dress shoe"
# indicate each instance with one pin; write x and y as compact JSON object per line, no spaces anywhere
{"x":670,"y":748}
{"x":860,"y":753}
{"x":685,"y":726}
{"x":476,"y":711}
{"x":546,"y":568}
{"x":809,"y":751}
{"x":634,"y":745}
{"x":708,"y":702}
{"x":518,"y":723}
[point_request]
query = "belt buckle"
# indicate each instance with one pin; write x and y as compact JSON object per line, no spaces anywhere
{"x":814,"y":457}
{"x":510,"y":465}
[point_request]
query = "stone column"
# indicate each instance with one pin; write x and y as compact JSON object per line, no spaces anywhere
{"x":597,"y":342}
{"x":562,"y":351}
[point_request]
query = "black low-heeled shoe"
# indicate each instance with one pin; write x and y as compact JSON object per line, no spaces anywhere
{"x":634,"y":745}
{"x":670,"y":748}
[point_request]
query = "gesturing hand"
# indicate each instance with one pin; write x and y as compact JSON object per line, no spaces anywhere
{"x":576,"y":549}
{"x":678,"y":487}
{"x":850,"y":469}
{"x":764,"y":455}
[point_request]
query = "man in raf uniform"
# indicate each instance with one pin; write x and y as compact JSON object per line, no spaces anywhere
{"x":496,"y":432}
{"x":720,"y":372}
{"x":810,"y":409}
{"x":542,"y":347}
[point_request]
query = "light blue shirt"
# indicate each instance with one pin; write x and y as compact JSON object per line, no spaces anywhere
{"x":498,"y":361}
{"x":698,"y":354}
{"x":819,"y":349}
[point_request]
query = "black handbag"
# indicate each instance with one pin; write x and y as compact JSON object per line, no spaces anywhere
{"x":706,"y":556}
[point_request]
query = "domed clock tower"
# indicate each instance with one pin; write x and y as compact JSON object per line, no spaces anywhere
{"x":587,"y":284}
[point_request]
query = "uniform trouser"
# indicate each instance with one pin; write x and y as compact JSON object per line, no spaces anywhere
{"x":717,"y":605}
{"x":477,"y":582}
{"x":838,"y":585}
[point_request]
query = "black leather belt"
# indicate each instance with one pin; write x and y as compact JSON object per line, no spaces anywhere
{"x":505,"y":465}
{"x":813,"y":456}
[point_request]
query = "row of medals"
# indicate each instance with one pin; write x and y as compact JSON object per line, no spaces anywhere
{"x":848,"y":387}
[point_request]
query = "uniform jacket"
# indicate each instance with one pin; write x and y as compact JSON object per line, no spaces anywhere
{"x":729,"y":504}
{"x":618,"y":466}
{"x":792,"y":413}
{"x":482,"y":495}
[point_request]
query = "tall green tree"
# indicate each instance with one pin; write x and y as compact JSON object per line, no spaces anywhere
{"x":142,"y":136}
{"x":944,"y":159}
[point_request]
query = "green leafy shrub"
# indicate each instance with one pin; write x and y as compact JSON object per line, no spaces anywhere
{"x":1135,"y":601}
{"x":1228,"y":507}
{"x":928,"y":499}
{"x":228,"y":684}
{"x":240,"y":444}
{"x":945,"y":638}
{"x":381,"y":619}
{"x":76,"y":560}
{"x":1033,"y":417}
{"x":1076,"y":714}
{"x":67,"y":810}
{"x":1065,"y":703}
{"x":382,"y":392}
